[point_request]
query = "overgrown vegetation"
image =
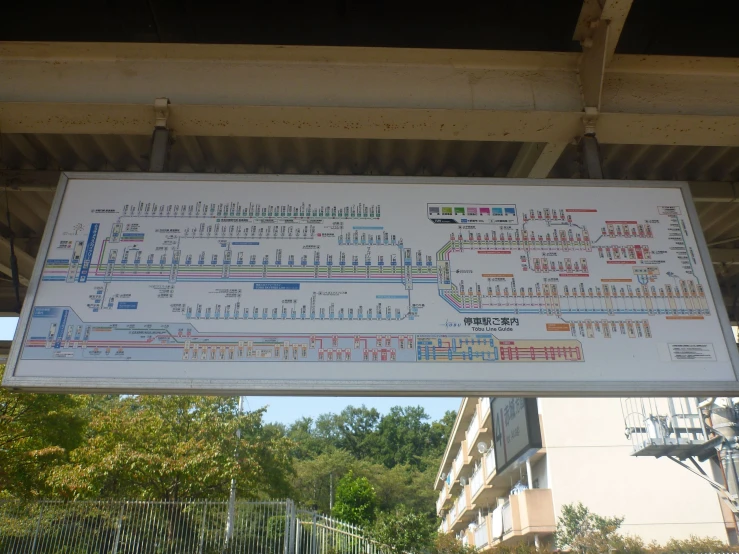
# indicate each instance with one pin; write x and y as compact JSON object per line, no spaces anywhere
{"x":580,"y":530}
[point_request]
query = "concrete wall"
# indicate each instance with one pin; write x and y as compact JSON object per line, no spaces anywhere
{"x":539,"y":474}
{"x":589,"y":461}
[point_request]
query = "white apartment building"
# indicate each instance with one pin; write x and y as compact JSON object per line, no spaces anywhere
{"x":585,"y":457}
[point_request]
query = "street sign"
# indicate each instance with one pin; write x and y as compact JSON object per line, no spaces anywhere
{"x":325,"y":285}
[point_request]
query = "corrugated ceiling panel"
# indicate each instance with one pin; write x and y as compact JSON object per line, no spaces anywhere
{"x":357,"y":157}
{"x":635,"y":161}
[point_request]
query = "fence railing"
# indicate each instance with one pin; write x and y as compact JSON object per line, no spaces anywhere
{"x":193,"y":527}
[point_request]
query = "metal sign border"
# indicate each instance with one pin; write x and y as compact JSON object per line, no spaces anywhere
{"x":369,"y":387}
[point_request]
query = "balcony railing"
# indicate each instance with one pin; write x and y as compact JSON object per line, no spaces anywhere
{"x":481,"y":535}
{"x":485,"y":405}
{"x":489,"y":462}
{"x":476,"y":481}
{"x":461,"y":504}
{"x":441,"y":499}
{"x":457,"y":463}
{"x":507,"y":518}
{"x":473,"y":428}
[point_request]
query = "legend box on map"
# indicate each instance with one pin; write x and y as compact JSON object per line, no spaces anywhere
{"x":491,"y":214}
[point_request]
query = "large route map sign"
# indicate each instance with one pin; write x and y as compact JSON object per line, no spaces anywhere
{"x":321,"y":285}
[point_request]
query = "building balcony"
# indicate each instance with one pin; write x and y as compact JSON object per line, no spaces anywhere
{"x":484,"y":410}
{"x":477,"y":431}
{"x":444,"y":498}
{"x":459,"y":464}
{"x":477,"y":481}
{"x":480,"y":534}
{"x":461,"y":511}
{"x":444,"y":527}
{"x":453,"y":461}
{"x":528,"y":513}
{"x":488,"y":463}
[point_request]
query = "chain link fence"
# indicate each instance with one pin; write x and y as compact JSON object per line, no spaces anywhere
{"x":192,"y":527}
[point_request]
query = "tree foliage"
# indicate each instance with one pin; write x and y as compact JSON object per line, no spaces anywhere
{"x":695,"y":544}
{"x":174,"y":447}
{"x":403,"y":436}
{"x":37,"y":432}
{"x":583,"y":531}
{"x":405,"y":530}
{"x":446,"y":543}
{"x":356,"y":501}
{"x":398,"y":453}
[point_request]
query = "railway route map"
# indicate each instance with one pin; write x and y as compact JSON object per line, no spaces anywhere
{"x":323,"y":284}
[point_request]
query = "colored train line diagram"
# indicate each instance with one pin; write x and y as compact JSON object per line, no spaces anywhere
{"x":244,"y":281}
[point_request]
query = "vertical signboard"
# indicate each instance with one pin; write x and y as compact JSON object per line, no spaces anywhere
{"x":516,"y":430}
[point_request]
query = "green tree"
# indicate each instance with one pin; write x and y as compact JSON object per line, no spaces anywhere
{"x":405,"y":436}
{"x":312,"y":481}
{"x":307,"y":444}
{"x":402,"y":485}
{"x":174,"y":447}
{"x":37,"y":433}
{"x":353,"y":430}
{"x":356,"y":501}
{"x":447,"y":543}
{"x":695,"y":544}
{"x":586,"y":532}
{"x":361,"y":441}
{"x":405,"y":530}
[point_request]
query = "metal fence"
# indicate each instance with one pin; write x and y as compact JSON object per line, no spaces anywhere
{"x":194,"y":527}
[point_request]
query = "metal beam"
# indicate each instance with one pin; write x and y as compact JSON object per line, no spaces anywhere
{"x":25,"y":262}
{"x":535,"y":160}
{"x":725,"y":256}
{"x":547,"y":159}
{"x":371,"y":123}
{"x":525,"y":159}
{"x":294,"y":121}
{"x":612,"y":11}
{"x":365,"y":93}
{"x":592,"y":67}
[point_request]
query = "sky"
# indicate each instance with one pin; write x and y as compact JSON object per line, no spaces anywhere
{"x":286,"y":409}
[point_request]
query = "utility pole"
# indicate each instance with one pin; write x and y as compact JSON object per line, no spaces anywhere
{"x":232,"y":495}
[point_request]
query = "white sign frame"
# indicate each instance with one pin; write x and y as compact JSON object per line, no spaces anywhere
{"x":364,"y":386}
